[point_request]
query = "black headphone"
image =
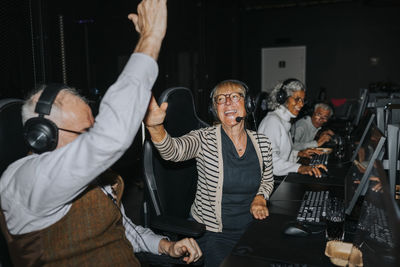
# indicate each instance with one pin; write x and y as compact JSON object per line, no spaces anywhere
{"x":281,"y":95}
{"x":41,"y":134}
{"x":249,"y":103}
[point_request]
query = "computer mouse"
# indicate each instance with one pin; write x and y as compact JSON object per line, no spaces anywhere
{"x":296,"y":229}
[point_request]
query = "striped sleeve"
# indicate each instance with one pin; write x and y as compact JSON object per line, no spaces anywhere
{"x":267,"y":179}
{"x":179,"y":148}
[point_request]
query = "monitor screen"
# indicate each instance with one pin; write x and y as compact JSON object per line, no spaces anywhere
{"x":359,"y":129}
{"x":378,"y":228}
{"x":362,"y":104}
{"x":359,"y":134}
{"x":357,"y":178}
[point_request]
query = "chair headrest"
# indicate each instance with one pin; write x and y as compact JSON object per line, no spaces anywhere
{"x":11,"y":136}
{"x":181,"y":115}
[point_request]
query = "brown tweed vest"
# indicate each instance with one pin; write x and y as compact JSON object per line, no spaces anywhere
{"x":90,"y":234}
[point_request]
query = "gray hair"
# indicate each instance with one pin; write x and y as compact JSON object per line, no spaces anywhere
{"x":325,"y":107}
{"x":290,"y":88}
{"x":28,"y":109}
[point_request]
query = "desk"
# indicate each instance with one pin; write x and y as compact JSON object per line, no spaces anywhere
{"x":288,"y":196}
{"x":264,"y":243}
{"x":266,"y":238}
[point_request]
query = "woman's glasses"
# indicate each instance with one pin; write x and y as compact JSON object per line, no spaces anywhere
{"x":221,"y":98}
{"x":298,"y":99}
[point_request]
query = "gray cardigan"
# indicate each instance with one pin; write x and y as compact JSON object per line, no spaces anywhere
{"x":205,"y":145}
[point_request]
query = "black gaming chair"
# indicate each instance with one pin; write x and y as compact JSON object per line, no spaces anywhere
{"x":12,"y":148}
{"x":11,"y":138}
{"x":171,"y":186}
{"x":260,"y":109}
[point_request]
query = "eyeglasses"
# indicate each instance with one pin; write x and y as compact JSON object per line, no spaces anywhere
{"x":221,"y":98}
{"x":71,"y":131}
{"x":298,"y":99}
{"x":319,"y":115}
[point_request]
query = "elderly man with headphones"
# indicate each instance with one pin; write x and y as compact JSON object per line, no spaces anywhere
{"x":286,"y":101}
{"x":58,"y":207}
{"x":234,"y":167}
{"x":306,"y":129}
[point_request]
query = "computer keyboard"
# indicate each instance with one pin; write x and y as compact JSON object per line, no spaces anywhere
{"x":313,"y":207}
{"x":319,"y":159}
{"x":375,"y":223}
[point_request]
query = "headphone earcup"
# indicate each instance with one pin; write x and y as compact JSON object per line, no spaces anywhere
{"x":211,"y":111}
{"x":281,"y":96}
{"x":41,"y":134}
{"x":250,"y":105}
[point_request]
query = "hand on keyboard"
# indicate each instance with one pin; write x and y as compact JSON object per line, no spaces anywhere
{"x":312,"y":170}
{"x":307,"y":153}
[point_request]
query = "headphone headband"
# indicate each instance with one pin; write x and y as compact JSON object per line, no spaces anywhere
{"x":287,"y":82}
{"x":246,"y":88}
{"x":248,"y":101}
{"x":46,"y":99}
{"x":41,"y":134}
{"x":281,"y":95}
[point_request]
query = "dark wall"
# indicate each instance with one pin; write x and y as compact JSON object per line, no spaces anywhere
{"x":15,"y":49}
{"x":207,"y":41}
{"x":340,"y":41}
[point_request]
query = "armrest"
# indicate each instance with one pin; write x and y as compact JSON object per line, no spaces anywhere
{"x":178,"y":226}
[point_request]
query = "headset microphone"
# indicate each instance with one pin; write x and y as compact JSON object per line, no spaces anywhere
{"x":238,"y":119}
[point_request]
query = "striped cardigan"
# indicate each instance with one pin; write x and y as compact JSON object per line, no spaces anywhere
{"x":205,"y":145}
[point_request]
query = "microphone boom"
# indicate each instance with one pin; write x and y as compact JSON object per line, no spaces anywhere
{"x":238,"y":119}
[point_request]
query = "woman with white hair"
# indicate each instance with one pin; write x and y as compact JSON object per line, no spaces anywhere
{"x":286,"y":101}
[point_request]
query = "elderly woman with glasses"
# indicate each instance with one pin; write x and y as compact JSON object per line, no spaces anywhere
{"x":235,"y":176}
{"x":286,"y":101}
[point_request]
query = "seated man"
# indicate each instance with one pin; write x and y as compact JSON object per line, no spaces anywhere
{"x":305,"y":129}
{"x":58,"y":205}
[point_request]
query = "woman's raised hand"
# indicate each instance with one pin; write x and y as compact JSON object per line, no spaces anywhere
{"x":155,"y":114}
{"x":154,"y":119}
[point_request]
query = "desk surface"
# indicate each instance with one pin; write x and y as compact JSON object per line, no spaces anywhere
{"x":272,"y":246}
{"x":264,"y":242}
{"x":288,"y":196}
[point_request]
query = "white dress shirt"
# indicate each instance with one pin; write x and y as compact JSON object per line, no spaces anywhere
{"x":37,"y":190}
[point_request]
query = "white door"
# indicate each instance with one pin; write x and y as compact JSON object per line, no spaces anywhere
{"x":280,"y":63}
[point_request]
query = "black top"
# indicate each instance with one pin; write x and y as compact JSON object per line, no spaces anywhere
{"x":242,"y":177}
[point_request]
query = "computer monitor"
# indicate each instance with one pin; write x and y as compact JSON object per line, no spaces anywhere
{"x":359,"y":134}
{"x":362,"y":104}
{"x":358,"y":176}
{"x":387,"y":111}
{"x":392,"y":162}
{"x":377,"y":233}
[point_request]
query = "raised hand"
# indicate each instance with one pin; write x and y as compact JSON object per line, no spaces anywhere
{"x":151,"y":23}
{"x":154,"y":119}
{"x":155,"y":114}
